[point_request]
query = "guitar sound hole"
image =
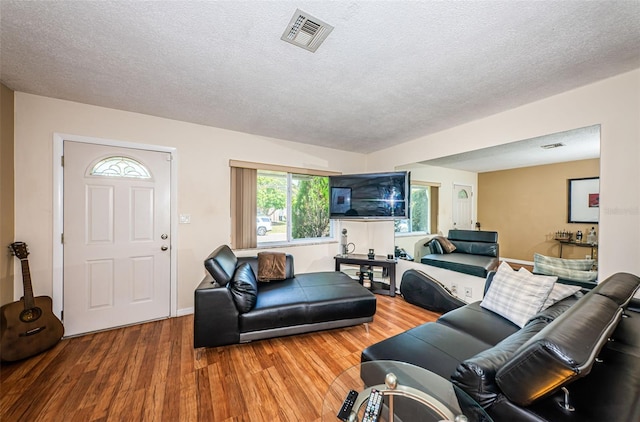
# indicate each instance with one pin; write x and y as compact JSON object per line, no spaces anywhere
{"x":30,"y":315}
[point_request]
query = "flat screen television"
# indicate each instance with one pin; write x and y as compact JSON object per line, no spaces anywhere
{"x":370,"y":196}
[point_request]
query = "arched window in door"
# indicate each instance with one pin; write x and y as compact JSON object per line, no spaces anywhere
{"x":119,"y":166}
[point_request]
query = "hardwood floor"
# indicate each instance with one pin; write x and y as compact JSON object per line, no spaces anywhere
{"x":150,"y":372}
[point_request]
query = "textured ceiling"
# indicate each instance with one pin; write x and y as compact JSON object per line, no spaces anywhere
{"x":390,"y":71}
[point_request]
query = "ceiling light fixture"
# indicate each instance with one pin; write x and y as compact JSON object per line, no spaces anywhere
{"x":305,"y":31}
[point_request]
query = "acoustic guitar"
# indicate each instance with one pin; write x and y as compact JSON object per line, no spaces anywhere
{"x":28,"y":326}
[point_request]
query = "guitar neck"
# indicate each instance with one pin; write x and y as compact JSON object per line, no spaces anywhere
{"x":29,"y":302}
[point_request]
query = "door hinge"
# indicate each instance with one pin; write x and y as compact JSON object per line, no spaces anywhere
{"x":62,"y":160}
{"x":61,"y":237}
{"x":62,"y":314}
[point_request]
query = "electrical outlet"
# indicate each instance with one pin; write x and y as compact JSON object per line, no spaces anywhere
{"x":468,"y":292}
{"x":454,"y":288}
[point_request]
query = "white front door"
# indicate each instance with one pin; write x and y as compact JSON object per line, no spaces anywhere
{"x":462,"y":196}
{"x":116,"y":236}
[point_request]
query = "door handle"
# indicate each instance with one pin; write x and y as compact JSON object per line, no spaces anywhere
{"x":164,"y":247}
{"x":164,"y":236}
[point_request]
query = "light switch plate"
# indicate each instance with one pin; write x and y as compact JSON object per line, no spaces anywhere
{"x":185,"y":218}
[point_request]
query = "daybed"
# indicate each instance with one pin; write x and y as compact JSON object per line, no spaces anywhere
{"x":466,"y":251}
{"x":577,"y":360}
{"x":231,"y":306}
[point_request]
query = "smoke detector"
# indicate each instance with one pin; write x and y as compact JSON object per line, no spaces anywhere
{"x":306,"y":31}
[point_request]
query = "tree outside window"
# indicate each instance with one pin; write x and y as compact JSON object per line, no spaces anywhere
{"x":304,"y":198}
{"x":419,"y":213}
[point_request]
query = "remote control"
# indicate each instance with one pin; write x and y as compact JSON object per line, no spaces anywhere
{"x":347,"y":405}
{"x":374,"y":407}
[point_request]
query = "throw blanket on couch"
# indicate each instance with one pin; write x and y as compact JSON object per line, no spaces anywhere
{"x":272,"y":266}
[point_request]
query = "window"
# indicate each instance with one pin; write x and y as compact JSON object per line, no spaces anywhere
{"x":423,"y":212}
{"x":278,"y":205}
{"x":120,"y":167}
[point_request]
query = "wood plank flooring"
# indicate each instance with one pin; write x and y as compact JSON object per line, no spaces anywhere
{"x":150,"y":372}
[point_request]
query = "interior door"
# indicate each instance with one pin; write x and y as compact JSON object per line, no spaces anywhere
{"x":116,"y":236}
{"x":462,"y":196}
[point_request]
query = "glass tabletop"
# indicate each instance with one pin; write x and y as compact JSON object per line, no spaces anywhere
{"x":410,"y":394}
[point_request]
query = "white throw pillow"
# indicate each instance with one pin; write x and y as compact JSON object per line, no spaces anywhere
{"x":560,"y":291}
{"x":517,"y":295}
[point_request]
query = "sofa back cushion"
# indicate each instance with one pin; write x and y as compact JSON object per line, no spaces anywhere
{"x":221,"y":264}
{"x":475,"y":242}
{"x":475,"y":248}
{"x":244,"y":288}
{"x":563,"y":351}
{"x":473,"y":236}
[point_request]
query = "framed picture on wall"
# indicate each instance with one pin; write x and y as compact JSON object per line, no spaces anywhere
{"x":584,"y":200}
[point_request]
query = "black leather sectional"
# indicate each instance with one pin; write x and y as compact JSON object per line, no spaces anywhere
{"x":298,"y":304}
{"x":589,"y":346}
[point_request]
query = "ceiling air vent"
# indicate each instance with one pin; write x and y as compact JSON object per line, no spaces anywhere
{"x":306,"y":31}
{"x":551,"y":146}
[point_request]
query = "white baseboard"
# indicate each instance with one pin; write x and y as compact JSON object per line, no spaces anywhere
{"x":185,"y":311}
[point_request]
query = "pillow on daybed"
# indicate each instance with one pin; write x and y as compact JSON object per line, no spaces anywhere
{"x":244,"y":288}
{"x":447,"y":246}
{"x":517,"y":295}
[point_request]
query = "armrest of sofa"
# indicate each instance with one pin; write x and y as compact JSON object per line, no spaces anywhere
{"x":215,"y":320}
{"x":563,"y":351}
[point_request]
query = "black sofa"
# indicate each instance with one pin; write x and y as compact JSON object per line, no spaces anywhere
{"x":226,"y":312}
{"x":476,"y":252}
{"x":587,"y":348}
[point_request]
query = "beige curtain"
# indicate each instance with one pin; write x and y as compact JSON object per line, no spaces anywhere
{"x":243,"y":208}
{"x":435,"y":201}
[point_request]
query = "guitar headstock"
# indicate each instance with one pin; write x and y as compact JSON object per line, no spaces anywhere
{"x":19,"y":249}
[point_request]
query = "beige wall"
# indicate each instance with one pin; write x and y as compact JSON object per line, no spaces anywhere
{"x":203,"y":154}
{"x":613,"y":103}
{"x":526,"y":206}
{"x":203,"y":176}
{"x":6,"y":194}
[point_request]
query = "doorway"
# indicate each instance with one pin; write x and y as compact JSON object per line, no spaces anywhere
{"x":462,"y":197}
{"x":117,"y":265}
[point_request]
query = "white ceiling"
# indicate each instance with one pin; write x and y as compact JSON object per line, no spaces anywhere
{"x":576,"y":144}
{"x":390,"y":71}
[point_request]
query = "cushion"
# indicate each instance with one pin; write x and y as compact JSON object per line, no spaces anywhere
{"x":272,"y":266}
{"x":244,"y":288}
{"x":435,"y":247}
{"x":447,"y":246}
{"x":517,"y":295}
{"x":571,"y":264}
{"x":565,"y":273}
{"x":560,"y":291}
